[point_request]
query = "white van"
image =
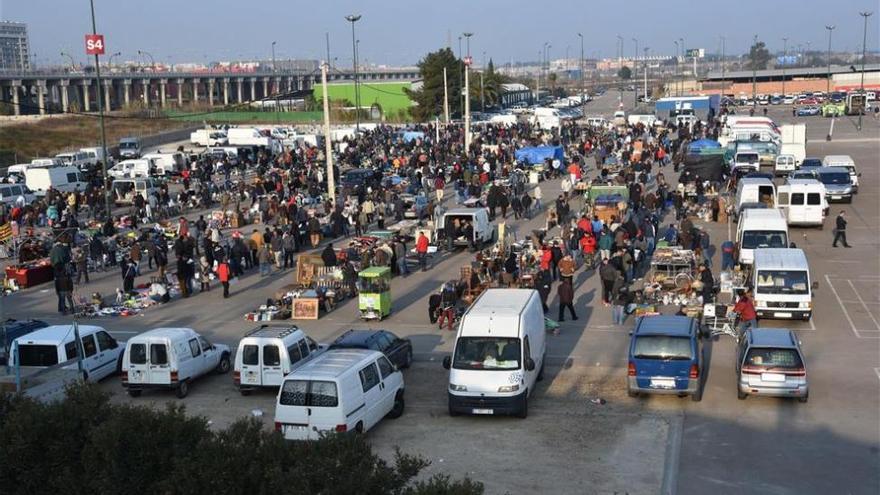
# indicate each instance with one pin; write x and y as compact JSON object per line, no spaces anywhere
{"x":499,"y":354}
{"x":166,"y":163}
{"x":803,"y":202}
{"x":267,"y":354}
{"x":129,"y":147}
{"x":547,"y":118}
{"x":599,"y":122}
{"x":11,"y":194}
{"x":95,"y":154}
{"x":46,"y":162}
{"x":56,"y":344}
{"x":785,"y":164}
{"x":755,"y":190}
{"x":249,"y":136}
{"x":484,"y":231}
{"x":759,"y":228}
{"x":208,"y":137}
{"x":125,"y":190}
{"x":339,"y":391}
{"x":64,"y":179}
{"x":846,"y":162}
{"x":781,"y":278}
{"x":745,"y":162}
{"x":170,"y":358}
{"x":131,"y":168}
{"x":78,"y":159}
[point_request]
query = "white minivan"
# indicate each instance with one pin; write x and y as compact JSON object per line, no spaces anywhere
{"x":846,"y":162}
{"x":56,"y":344}
{"x":754,"y":190}
{"x":499,"y":354}
{"x":781,"y":278}
{"x":12,"y":194}
{"x":478,"y":218}
{"x":125,"y":190}
{"x":268,"y":353}
{"x":64,"y":179}
{"x":760,"y":228}
{"x":803,"y":202}
{"x":341,"y":390}
{"x":170,"y":358}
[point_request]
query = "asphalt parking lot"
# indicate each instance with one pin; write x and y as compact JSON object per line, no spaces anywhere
{"x":647,"y":445}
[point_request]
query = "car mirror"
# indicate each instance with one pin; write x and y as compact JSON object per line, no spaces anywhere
{"x":447,"y":362}
{"x":530,"y":364}
{"x":815,"y":285}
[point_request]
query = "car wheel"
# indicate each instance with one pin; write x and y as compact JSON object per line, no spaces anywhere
{"x":540,"y":376}
{"x":223,"y":366}
{"x":407,"y":362}
{"x":119,"y":365}
{"x":631,"y":393}
{"x":134,"y":392}
{"x":523,"y":412}
{"x":804,"y":399}
{"x":399,"y":404}
{"x":740,"y":394}
{"x":452,"y":411}
{"x":245,"y":392}
{"x":182,"y":389}
{"x":359,"y":428}
{"x":698,"y":395}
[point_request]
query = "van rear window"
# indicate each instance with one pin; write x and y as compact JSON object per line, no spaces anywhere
{"x":137,"y":354}
{"x":663,"y":347}
{"x":158,"y":354}
{"x":250,"y":355}
{"x":37,"y":355}
{"x":309,"y":393}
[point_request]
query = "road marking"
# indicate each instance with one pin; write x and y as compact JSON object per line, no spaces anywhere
{"x":877,"y":371}
{"x":812,"y":325}
{"x":673,"y":455}
{"x":852,"y":326}
{"x":859,"y":297}
{"x":870,"y":335}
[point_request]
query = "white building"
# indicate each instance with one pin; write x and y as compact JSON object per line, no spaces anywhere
{"x":14,"y":46}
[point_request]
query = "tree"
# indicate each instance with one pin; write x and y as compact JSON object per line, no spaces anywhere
{"x":759,"y":56}
{"x":492,"y":85}
{"x":85,"y":445}
{"x":624,"y":73}
{"x":429,"y":98}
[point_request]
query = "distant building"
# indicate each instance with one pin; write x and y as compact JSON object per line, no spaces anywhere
{"x":14,"y":47}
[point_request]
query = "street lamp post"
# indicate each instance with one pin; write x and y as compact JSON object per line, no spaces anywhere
{"x":784,"y":55}
{"x":723,"y":67}
{"x":828,"y":75}
{"x":467,"y":94}
{"x":583,"y":89}
{"x":152,"y":60}
{"x":753,"y":54}
{"x":72,"y":62}
{"x":864,"y":51}
{"x":273,"y":56}
{"x":645,"y":66}
{"x":635,"y":71}
{"x":101,"y":118}
{"x":675,"y":72}
{"x":352,"y":18}
{"x":110,"y":61}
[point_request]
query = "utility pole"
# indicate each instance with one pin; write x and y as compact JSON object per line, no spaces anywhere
{"x":538,"y":75}
{"x":482,"y":94}
{"x":467,"y":105}
{"x":675,"y":73}
{"x":645,"y":65}
{"x":723,"y":67}
{"x":864,"y":51}
{"x":753,"y":55}
{"x":828,"y":83}
{"x":273,"y":57}
{"x":583,"y":74}
{"x":101,"y":119}
{"x":445,"y":98}
{"x":327,"y":44}
{"x":352,"y":18}
{"x":328,"y":148}
{"x":784,"y":55}
{"x":635,"y":72}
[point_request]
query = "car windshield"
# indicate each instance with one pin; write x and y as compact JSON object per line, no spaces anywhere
{"x":783,"y":282}
{"x":835,"y":178}
{"x":764,"y":239}
{"x":128,"y":144}
{"x":309,"y":393}
{"x":487,"y":353}
{"x":773,"y":358}
{"x":747,"y":158}
{"x":37,"y":355}
{"x":373,"y":285}
{"x":666,"y":347}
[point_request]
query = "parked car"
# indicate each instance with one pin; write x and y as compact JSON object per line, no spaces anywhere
{"x":802,"y":174}
{"x":665,"y":357}
{"x":170,"y":358}
{"x":759,"y":175}
{"x":770,"y":362}
{"x":57,"y":344}
{"x":398,"y":350}
{"x":268,"y":353}
{"x":809,"y":101}
{"x":811,"y":162}
{"x":808,"y":111}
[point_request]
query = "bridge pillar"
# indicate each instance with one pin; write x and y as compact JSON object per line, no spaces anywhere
{"x":108,"y":84}
{"x":210,"y":92}
{"x":239,"y":83}
{"x":163,"y":83}
{"x":289,"y":83}
{"x":65,"y":98}
{"x":41,"y":96}
{"x":146,"y":83}
{"x":253,"y":89}
{"x":265,"y":87}
{"x":195,"y":82}
{"x":85,"y":89}
{"x":225,"y":91}
{"x":180,"y":82}
{"x":126,"y":92}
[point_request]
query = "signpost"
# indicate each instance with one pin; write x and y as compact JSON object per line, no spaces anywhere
{"x":94,"y":44}
{"x":467,"y":105}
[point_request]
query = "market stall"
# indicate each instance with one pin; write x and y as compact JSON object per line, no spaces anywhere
{"x":30,"y":273}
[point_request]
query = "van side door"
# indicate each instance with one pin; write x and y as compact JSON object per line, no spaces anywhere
{"x":271,"y":369}
{"x":371,"y":385}
{"x":108,"y":350}
{"x":783,"y":199}
{"x":198,"y":357}
{"x":392,"y":381}
{"x":91,"y":358}
{"x":529,"y":376}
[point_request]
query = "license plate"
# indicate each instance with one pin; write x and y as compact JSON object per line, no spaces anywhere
{"x":662,"y":383}
{"x":772,"y":377}
{"x":836,"y":197}
{"x":782,"y":315}
{"x":484,"y":411}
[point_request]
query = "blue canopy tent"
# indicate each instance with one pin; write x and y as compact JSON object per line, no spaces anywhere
{"x":413,"y":135}
{"x":701,"y":144}
{"x":537,"y":154}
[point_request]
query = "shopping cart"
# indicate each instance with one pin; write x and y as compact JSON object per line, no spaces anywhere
{"x":719,"y":319}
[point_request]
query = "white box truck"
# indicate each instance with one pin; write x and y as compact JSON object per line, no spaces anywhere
{"x":781,"y":278}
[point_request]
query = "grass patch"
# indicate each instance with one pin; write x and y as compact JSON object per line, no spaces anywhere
{"x":389,"y":96}
{"x":246,"y":116}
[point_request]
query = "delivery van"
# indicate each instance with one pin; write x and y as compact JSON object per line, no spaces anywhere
{"x":131,"y":168}
{"x":803,"y":202}
{"x":844,"y":161}
{"x":12,"y":194}
{"x":782,"y":286}
{"x":268,"y":353}
{"x":838,"y":183}
{"x":170,"y":358}
{"x":78,"y":159}
{"x":56,"y":344}
{"x":208,"y":137}
{"x":166,"y":163}
{"x":755,"y":190}
{"x":478,"y":218}
{"x":129,"y":147}
{"x":760,"y":228}
{"x":499,"y":354}
{"x":344,"y":390}
{"x":64,"y":179}
{"x":125,"y":190}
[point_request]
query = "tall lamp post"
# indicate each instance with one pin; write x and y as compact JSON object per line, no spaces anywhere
{"x":828,"y":75}
{"x":273,"y":55}
{"x":675,"y":73}
{"x":353,"y":18}
{"x":635,"y":72}
{"x":148,"y":54}
{"x":467,"y":94}
{"x":110,"y":61}
{"x":784,"y":56}
{"x":864,"y":51}
{"x":101,"y":118}
{"x":72,"y":62}
{"x":583,"y":89}
{"x":753,"y":54}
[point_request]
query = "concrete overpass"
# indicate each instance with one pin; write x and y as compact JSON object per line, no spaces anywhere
{"x":52,"y":92}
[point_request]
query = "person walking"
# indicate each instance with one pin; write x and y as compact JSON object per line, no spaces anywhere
{"x":64,"y":290}
{"x":204,"y":274}
{"x":400,"y":253}
{"x":608,"y":274}
{"x":223,"y":274}
{"x":566,"y":298}
{"x":129,"y":271}
{"x":264,"y":258}
{"x":543,"y":284}
{"x":620,"y":301}
{"x":840,"y":230}
{"x":422,"y":251}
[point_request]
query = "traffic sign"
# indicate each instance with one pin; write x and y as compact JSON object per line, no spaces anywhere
{"x":94,"y":44}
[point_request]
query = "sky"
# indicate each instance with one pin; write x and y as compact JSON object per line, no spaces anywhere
{"x":400,"y":33}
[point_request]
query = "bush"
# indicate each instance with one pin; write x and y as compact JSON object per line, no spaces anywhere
{"x":86,"y":445}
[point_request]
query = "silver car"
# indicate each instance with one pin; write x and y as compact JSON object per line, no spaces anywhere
{"x":770,"y":362}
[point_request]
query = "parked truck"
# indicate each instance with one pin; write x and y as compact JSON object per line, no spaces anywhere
{"x":793,"y":149}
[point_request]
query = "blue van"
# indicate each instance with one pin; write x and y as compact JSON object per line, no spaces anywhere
{"x":665,"y":357}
